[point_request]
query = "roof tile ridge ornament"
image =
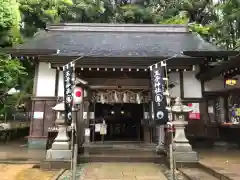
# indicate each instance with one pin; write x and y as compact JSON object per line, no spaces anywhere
{"x":138,"y":28}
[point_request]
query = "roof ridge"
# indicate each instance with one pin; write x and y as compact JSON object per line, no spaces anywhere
{"x":118,"y":24}
{"x":99,"y":27}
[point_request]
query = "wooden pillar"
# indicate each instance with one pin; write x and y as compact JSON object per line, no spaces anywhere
{"x":146,"y":128}
{"x":80,"y":125}
{"x":92,"y":119}
{"x":86,"y":117}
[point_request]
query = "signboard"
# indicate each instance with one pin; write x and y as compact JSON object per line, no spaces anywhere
{"x":85,"y":115}
{"x":195,"y":114}
{"x":97,"y":127}
{"x":103,"y":129}
{"x":68,"y":90}
{"x":38,"y":115}
{"x":237,"y":111}
{"x":159,"y":100}
{"x":87,"y":131}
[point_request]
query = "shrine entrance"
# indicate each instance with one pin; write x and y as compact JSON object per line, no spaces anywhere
{"x":123,"y":121}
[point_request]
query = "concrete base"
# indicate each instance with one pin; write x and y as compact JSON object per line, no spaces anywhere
{"x":186,"y":157}
{"x":50,"y":165}
{"x":37,"y":143}
{"x":54,"y":155}
{"x":61,"y":145}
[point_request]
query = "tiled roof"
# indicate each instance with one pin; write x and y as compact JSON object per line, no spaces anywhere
{"x":118,"y":40}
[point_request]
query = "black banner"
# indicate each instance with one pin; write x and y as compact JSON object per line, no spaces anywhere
{"x":158,"y":98}
{"x":68,"y":90}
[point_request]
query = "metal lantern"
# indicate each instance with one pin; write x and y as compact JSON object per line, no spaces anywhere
{"x":231,"y":82}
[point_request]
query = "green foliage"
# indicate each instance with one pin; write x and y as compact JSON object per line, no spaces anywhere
{"x":37,"y":13}
{"x":219,"y":22}
{"x":10,"y":72}
{"x":10,"y":20}
{"x":200,"y":29}
{"x":179,"y":19}
{"x":226,"y":30}
{"x":182,"y":18}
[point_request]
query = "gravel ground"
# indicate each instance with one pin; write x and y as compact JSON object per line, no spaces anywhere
{"x":24,"y":172}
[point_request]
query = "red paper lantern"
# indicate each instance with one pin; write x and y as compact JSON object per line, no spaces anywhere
{"x":78,"y":95}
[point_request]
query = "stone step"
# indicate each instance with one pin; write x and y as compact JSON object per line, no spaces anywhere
{"x":219,"y":172}
{"x":126,"y":150}
{"x":119,"y":152}
{"x":196,"y":173}
{"x":119,"y":147}
{"x":121,"y":158}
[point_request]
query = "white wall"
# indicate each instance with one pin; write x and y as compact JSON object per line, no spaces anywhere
{"x":45,"y":81}
{"x":60,"y":84}
{"x":217,"y":84}
{"x":191,"y":85}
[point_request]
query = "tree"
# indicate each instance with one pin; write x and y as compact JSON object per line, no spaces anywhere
{"x":226,"y":30}
{"x":36,"y":14}
{"x":10,"y":20}
{"x":11,"y":72}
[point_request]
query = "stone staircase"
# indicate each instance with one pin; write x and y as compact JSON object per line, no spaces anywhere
{"x":202,"y":172}
{"x":120,"y":151}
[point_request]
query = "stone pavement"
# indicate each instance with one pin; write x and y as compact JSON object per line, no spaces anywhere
{"x":118,"y":171}
{"x":18,"y":151}
{"x":225,"y":162}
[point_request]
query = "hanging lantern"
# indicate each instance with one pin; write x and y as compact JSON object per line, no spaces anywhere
{"x":78,"y":95}
{"x":231,"y":82}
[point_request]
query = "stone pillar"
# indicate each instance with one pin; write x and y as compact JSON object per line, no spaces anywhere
{"x":182,"y":149}
{"x":61,"y":146}
{"x":161,"y":139}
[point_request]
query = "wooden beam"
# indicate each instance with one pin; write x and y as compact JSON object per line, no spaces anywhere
{"x":121,"y":61}
{"x":226,"y":66}
{"x":28,"y":52}
{"x":121,"y":88}
{"x":181,"y":84}
{"x":217,"y":53}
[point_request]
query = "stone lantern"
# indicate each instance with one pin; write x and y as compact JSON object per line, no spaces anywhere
{"x":182,"y":149}
{"x":61,"y":146}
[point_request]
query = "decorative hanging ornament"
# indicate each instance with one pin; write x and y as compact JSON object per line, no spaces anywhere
{"x":102,"y":99}
{"x":116,"y":97}
{"x":138,"y":98}
{"x":124,"y":97}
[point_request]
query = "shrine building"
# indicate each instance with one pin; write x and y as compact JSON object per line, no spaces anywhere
{"x":114,"y":60}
